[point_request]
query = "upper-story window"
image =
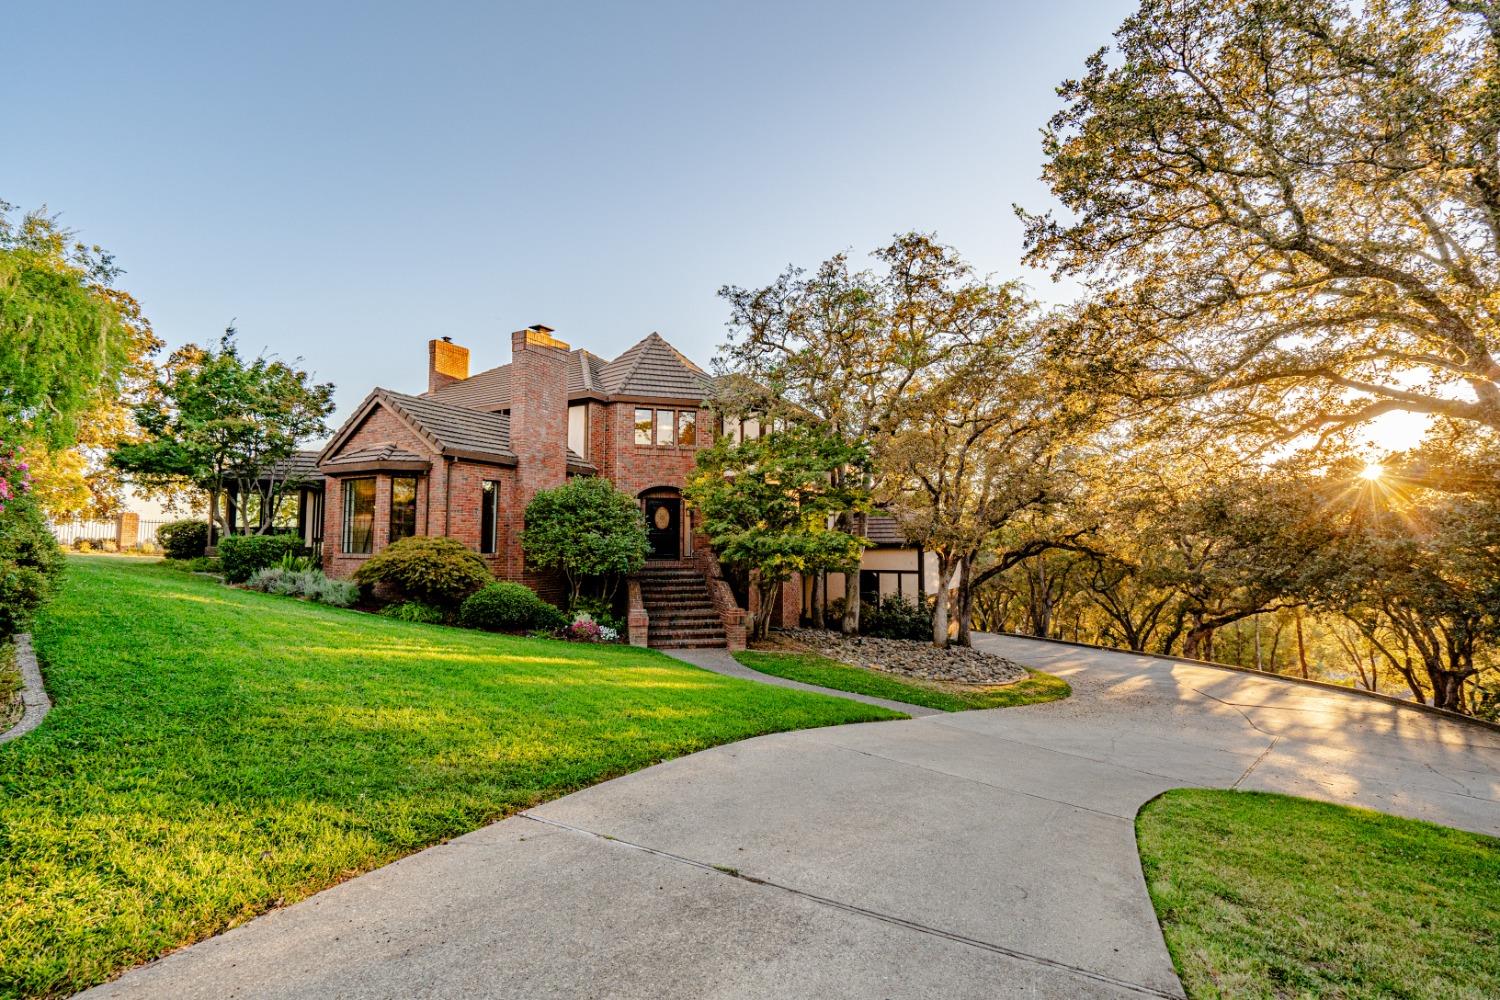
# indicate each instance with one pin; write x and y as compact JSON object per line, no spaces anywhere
{"x":737,"y":429}
{"x":578,"y":429}
{"x":359,"y":516}
{"x":403,"y":507}
{"x":667,"y":428}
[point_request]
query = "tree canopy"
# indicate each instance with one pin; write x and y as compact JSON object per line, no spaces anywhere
{"x":1290,"y":208}
{"x":585,"y":529}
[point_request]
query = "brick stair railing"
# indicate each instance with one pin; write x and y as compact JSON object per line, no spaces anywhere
{"x":679,"y":607}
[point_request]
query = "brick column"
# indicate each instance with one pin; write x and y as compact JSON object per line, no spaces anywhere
{"x":127,"y":531}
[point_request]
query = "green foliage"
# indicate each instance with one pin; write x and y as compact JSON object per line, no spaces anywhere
{"x":1266,"y":896}
{"x":30,"y":564}
{"x":585,"y":529}
{"x":509,"y":607}
{"x":766,"y":505}
{"x":438,"y":571}
{"x":215,"y":418}
{"x":416,"y":612}
{"x":288,"y":746}
{"x":65,"y":341}
{"x":183,"y":539}
{"x":894,"y":617}
{"x":242,"y":555}
{"x":598,"y":609}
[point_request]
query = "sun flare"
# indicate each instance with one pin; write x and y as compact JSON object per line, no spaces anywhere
{"x":1372,"y":472}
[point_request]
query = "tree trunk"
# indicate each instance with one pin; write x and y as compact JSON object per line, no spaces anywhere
{"x":940,"y":606}
{"x":816,"y":617}
{"x":850,"y":623}
{"x":1301,"y":646}
{"x":965,"y":601}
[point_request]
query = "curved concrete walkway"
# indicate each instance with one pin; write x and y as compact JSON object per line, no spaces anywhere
{"x":34,"y":701}
{"x":982,"y":854}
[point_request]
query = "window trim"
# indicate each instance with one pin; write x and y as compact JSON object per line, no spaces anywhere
{"x":391,"y":535}
{"x":347,"y":539}
{"x":489,"y":511}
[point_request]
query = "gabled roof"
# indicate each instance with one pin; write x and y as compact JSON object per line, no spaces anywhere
{"x":654,"y":367}
{"x":386,"y":456}
{"x":448,"y":429}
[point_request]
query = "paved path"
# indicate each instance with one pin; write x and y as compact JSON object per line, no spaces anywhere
{"x":34,"y":701}
{"x":981,"y":854}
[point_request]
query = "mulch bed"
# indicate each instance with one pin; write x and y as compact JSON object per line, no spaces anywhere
{"x":921,"y":660}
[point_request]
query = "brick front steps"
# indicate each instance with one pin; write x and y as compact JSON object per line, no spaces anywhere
{"x":681,"y":610}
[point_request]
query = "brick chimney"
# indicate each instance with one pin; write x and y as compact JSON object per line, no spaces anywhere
{"x":538,"y":409}
{"x":446,"y":363}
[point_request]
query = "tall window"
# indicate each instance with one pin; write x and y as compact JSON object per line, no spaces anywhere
{"x":578,"y":429}
{"x":359,"y":515}
{"x":489,"y":516}
{"x":642,"y":426}
{"x":687,"y":428}
{"x":664,"y":421}
{"x":403,"y":507}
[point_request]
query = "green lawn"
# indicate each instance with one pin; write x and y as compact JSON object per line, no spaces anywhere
{"x":1269,"y":896}
{"x":811,"y":668}
{"x":215,"y":752}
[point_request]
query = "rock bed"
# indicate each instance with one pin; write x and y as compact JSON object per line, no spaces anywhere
{"x":955,"y":665}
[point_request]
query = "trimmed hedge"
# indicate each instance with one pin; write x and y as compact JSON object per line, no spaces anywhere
{"x":30,"y":563}
{"x":242,"y":555}
{"x":183,"y":539}
{"x":509,"y":607}
{"x":438,"y":571}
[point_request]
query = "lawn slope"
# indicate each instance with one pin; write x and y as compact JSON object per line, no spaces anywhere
{"x":215,"y":752}
{"x":813,"y":668}
{"x":1265,"y":895}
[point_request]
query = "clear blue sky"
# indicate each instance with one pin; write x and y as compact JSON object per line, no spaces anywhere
{"x":348,"y":180}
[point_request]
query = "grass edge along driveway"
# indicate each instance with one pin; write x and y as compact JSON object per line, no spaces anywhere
{"x":814,"y":668}
{"x":1267,"y":896}
{"x":214,"y":753}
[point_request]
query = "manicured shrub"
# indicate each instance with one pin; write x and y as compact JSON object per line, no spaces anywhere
{"x":183,"y":539}
{"x":437,"y":571}
{"x":309,"y":583}
{"x":242,"y":555}
{"x":30,"y":562}
{"x":895,"y":618}
{"x":586,"y":530}
{"x":336,"y":593}
{"x":509,"y":607}
{"x":415,"y":611}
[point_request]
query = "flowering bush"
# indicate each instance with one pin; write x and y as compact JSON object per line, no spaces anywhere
{"x":583,"y":629}
{"x":15,"y":476}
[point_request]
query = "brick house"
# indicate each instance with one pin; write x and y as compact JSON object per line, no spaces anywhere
{"x":465,"y":457}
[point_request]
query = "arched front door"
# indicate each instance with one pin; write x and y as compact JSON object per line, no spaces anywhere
{"x":664,"y":526}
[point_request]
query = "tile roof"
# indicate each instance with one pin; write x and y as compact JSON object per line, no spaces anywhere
{"x":454,"y":428}
{"x":487,"y":390}
{"x":300,"y":465}
{"x":654,"y":367}
{"x":375,"y":453}
{"x":883,"y":529}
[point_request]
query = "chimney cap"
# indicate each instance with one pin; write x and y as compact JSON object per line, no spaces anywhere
{"x":447,"y":340}
{"x":540,"y":328}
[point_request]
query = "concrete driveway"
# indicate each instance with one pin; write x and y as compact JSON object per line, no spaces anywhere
{"x":982,"y":854}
